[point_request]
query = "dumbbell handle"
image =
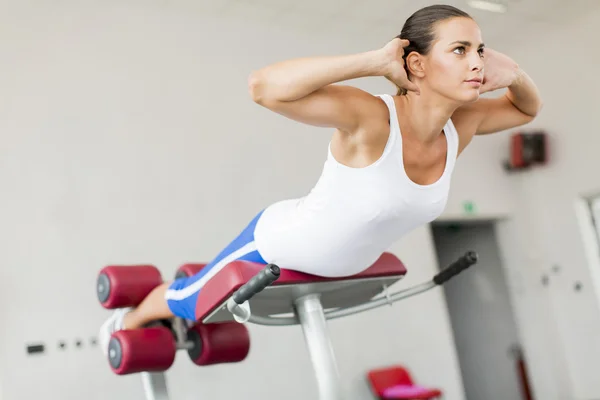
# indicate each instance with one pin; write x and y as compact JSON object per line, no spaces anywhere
{"x":258,"y":283}
{"x":464,"y":262}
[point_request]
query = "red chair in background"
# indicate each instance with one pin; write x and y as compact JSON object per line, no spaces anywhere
{"x":396,"y":383}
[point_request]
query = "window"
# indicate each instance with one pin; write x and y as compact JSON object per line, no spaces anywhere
{"x":588,"y":215}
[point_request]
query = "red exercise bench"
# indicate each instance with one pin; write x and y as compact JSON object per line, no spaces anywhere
{"x":246,"y":292}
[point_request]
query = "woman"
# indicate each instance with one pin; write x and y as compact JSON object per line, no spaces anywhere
{"x":390,"y":159}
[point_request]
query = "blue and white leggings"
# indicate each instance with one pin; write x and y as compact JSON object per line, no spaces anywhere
{"x":182,"y":294}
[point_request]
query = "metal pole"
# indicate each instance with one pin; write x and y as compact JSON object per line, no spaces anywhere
{"x":314,"y":326}
{"x":155,"y":385}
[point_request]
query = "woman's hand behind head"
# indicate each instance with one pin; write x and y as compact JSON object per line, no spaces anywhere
{"x":394,"y":70}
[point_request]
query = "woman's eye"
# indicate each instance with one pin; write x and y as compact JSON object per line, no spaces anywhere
{"x":459,"y":50}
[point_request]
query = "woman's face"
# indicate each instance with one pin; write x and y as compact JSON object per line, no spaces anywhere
{"x":454,"y":66}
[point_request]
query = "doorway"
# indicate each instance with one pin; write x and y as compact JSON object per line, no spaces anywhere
{"x":480,"y":309}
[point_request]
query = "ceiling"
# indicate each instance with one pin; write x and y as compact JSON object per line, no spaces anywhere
{"x":385,"y":17}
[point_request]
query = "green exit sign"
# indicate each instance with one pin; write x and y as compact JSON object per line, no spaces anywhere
{"x":469,"y":207}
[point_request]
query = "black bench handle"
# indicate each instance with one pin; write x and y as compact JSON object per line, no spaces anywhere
{"x":258,"y":283}
{"x":458,"y":266}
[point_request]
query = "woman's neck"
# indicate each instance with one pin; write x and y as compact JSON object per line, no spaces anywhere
{"x":422,"y":117}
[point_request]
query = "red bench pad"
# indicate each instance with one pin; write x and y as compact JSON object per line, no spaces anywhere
{"x":233,"y":276}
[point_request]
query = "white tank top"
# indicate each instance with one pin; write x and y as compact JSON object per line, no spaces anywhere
{"x":352,"y":215}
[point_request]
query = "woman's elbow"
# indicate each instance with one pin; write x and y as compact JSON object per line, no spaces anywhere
{"x":534,"y":110}
{"x":256,"y":87}
{"x":539,"y":107}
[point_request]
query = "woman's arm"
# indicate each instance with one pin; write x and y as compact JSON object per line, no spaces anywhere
{"x":520,"y":105}
{"x":294,"y":79}
{"x":302,"y":89}
{"x":524,"y":95}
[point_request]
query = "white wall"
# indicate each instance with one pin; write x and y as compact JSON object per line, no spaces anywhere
{"x":559,"y":322}
{"x":127,"y":136}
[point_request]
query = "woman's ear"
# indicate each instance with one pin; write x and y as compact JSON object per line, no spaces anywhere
{"x":415,"y":64}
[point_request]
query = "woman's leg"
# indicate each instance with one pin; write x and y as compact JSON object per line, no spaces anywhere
{"x":182,"y":294}
{"x":154,"y":307}
{"x":178,"y":298}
